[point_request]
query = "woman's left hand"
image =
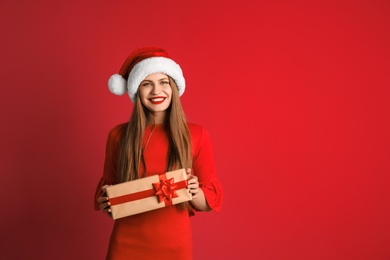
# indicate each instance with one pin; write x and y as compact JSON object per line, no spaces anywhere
{"x":193,"y":183}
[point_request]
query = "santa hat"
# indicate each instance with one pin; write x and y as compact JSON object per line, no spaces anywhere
{"x":141,"y":63}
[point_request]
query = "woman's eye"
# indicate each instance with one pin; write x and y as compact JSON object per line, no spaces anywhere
{"x":165,"y":82}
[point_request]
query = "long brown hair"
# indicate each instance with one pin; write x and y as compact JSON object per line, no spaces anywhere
{"x":131,"y":150}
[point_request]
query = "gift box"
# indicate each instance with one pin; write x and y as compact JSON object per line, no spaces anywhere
{"x":149,"y":193}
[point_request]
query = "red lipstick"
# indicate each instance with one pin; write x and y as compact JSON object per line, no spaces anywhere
{"x":157,"y":100}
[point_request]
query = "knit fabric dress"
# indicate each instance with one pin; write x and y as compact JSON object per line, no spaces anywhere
{"x":163,"y":233}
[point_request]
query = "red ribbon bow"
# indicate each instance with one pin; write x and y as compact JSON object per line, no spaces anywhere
{"x":166,"y":190}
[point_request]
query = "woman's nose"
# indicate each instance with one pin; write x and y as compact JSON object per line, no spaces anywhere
{"x":156,"y":89}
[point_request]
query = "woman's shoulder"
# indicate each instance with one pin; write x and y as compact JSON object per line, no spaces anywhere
{"x":198,"y":133}
{"x":117,"y":131}
{"x":119,"y":127}
{"x":195,"y":129}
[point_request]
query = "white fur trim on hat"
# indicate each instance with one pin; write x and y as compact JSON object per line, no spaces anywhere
{"x":117,"y":85}
{"x":155,"y":65}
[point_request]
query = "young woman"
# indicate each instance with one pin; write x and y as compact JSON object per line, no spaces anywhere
{"x":157,"y":139}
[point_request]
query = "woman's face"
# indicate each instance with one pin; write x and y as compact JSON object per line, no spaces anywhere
{"x":156,"y":93}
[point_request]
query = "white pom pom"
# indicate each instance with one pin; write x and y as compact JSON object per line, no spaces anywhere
{"x":117,"y":85}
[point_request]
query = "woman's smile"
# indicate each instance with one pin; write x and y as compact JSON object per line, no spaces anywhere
{"x":157,"y":100}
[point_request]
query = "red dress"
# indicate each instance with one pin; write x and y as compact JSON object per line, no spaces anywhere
{"x":163,"y":233}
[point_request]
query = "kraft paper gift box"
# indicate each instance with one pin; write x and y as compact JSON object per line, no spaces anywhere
{"x":149,"y":193}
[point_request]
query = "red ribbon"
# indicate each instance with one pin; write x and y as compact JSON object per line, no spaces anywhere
{"x":165,"y":190}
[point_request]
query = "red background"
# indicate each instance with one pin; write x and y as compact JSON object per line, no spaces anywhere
{"x":294,"y":95}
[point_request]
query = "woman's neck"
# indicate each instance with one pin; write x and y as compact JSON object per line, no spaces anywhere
{"x":159,"y":117}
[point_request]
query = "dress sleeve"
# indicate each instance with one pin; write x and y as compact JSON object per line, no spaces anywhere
{"x":110,"y":171}
{"x":204,"y":169}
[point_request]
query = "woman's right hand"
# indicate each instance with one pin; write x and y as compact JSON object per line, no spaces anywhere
{"x":104,"y":203}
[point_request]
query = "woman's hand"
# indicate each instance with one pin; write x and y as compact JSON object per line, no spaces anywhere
{"x":198,"y":198}
{"x":193,"y":183}
{"x":104,"y":203}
